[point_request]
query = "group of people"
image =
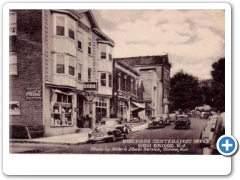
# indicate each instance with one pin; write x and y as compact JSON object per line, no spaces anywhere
{"x":84,"y":121}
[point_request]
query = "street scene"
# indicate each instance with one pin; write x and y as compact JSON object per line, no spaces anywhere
{"x":116,"y":81}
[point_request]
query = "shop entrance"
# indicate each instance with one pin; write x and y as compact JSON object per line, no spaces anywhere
{"x":80,"y":114}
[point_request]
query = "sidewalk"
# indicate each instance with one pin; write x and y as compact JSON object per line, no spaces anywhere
{"x":70,"y":139}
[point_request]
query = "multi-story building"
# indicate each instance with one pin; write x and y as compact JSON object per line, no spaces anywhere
{"x":60,"y":69}
{"x":128,"y":92}
{"x":155,"y":74}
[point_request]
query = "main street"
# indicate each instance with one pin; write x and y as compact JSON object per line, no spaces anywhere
{"x":166,"y":140}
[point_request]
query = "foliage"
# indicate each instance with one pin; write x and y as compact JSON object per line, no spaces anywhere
{"x":185,"y":93}
{"x":218,"y":88}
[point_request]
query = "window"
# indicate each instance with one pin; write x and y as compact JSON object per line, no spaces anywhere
{"x":110,"y":80}
{"x":71,"y":31}
{"x":119,"y":81}
{"x":110,"y":53}
{"x":89,"y":47}
{"x":13,"y":64}
{"x":132,"y":88}
{"x":103,"y":79}
{"x":103,"y":51}
{"x":12,"y":23}
{"x":71,"y":66}
{"x":110,"y":57}
{"x":62,"y":110}
{"x":60,"y":64}
{"x":60,"y":23}
{"x":79,"y":72}
{"x":80,"y":39}
{"x":89,"y":74}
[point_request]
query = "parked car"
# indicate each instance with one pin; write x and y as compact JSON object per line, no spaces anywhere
{"x":217,"y":131}
{"x":110,"y":130}
{"x":182,"y":122}
{"x":157,"y":121}
{"x":204,"y":115}
{"x":172,"y":117}
{"x":208,"y":132}
{"x":166,"y":119}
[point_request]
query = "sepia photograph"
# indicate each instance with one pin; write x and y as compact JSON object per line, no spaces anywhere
{"x":116,"y":81}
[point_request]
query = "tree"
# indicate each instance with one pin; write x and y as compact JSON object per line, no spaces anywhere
{"x":218,"y":75}
{"x":185,"y":93}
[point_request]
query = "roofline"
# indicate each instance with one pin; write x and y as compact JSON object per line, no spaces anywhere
{"x":121,"y":63}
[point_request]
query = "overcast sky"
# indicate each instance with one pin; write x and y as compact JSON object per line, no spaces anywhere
{"x":193,"y":39}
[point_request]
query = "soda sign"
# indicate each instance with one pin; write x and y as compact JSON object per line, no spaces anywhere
{"x":33,"y":93}
{"x":90,"y":86}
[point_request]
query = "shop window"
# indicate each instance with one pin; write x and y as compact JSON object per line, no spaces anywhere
{"x":110,"y":80}
{"x":101,"y":110}
{"x":71,"y":66}
{"x":89,"y":47}
{"x":60,"y":25}
{"x":13,"y":64}
{"x":103,"y":79}
{"x":89,"y":74}
{"x":62,"y":110}
{"x":60,"y":64}
{"x":14,"y":108}
{"x":71,"y":31}
{"x":103,"y":51}
{"x":12,"y":23}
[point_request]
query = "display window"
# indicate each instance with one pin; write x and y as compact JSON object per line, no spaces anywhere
{"x":62,"y":110}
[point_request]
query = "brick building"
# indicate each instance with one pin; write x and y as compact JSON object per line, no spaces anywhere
{"x":60,"y":69}
{"x":155,"y":74}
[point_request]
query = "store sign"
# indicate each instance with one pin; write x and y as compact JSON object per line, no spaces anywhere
{"x":90,"y":86}
{"x":33,"y":93}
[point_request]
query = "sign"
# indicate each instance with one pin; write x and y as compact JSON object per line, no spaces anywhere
{"x":33,"y":93}
{"x":90,"y":86}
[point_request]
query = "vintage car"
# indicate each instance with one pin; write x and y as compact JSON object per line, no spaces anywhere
{"x":182,"y":122}
{"x":208,"y":132}
{"x":110,"y":130}
{"x":157,"y":121}
{"x":217,"y":132}
{"x":204,"y":115}
{"x":166,"y":119}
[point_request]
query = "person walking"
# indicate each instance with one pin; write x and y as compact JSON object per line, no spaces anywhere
{"x":90,"y":119}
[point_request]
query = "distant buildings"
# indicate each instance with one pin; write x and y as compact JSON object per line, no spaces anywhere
{"x":155,"y":75}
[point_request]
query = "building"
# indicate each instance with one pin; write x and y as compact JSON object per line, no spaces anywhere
{"x":155,"y":74}
{"x":128,"y":90}
{"x":60,"y":70}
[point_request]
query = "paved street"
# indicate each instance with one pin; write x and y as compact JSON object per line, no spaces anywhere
{"x":155,"y":141}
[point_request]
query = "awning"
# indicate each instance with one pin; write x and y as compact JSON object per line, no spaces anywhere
{"x":149,"y":106}
{"x":137,"y":106}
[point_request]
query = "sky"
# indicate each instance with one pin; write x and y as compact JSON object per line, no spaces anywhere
{"x":193,"y":39}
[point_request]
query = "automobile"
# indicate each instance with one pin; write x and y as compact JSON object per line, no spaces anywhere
{"x":204,"y":115}
{"x":166,"y":119}
{"x":182,"y":122}
{"x":111,"y":129}
{"x":208,"y":132}
{"x":217,"y":131}
{"x":172,"y":117}
{"x":157,"y":121}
